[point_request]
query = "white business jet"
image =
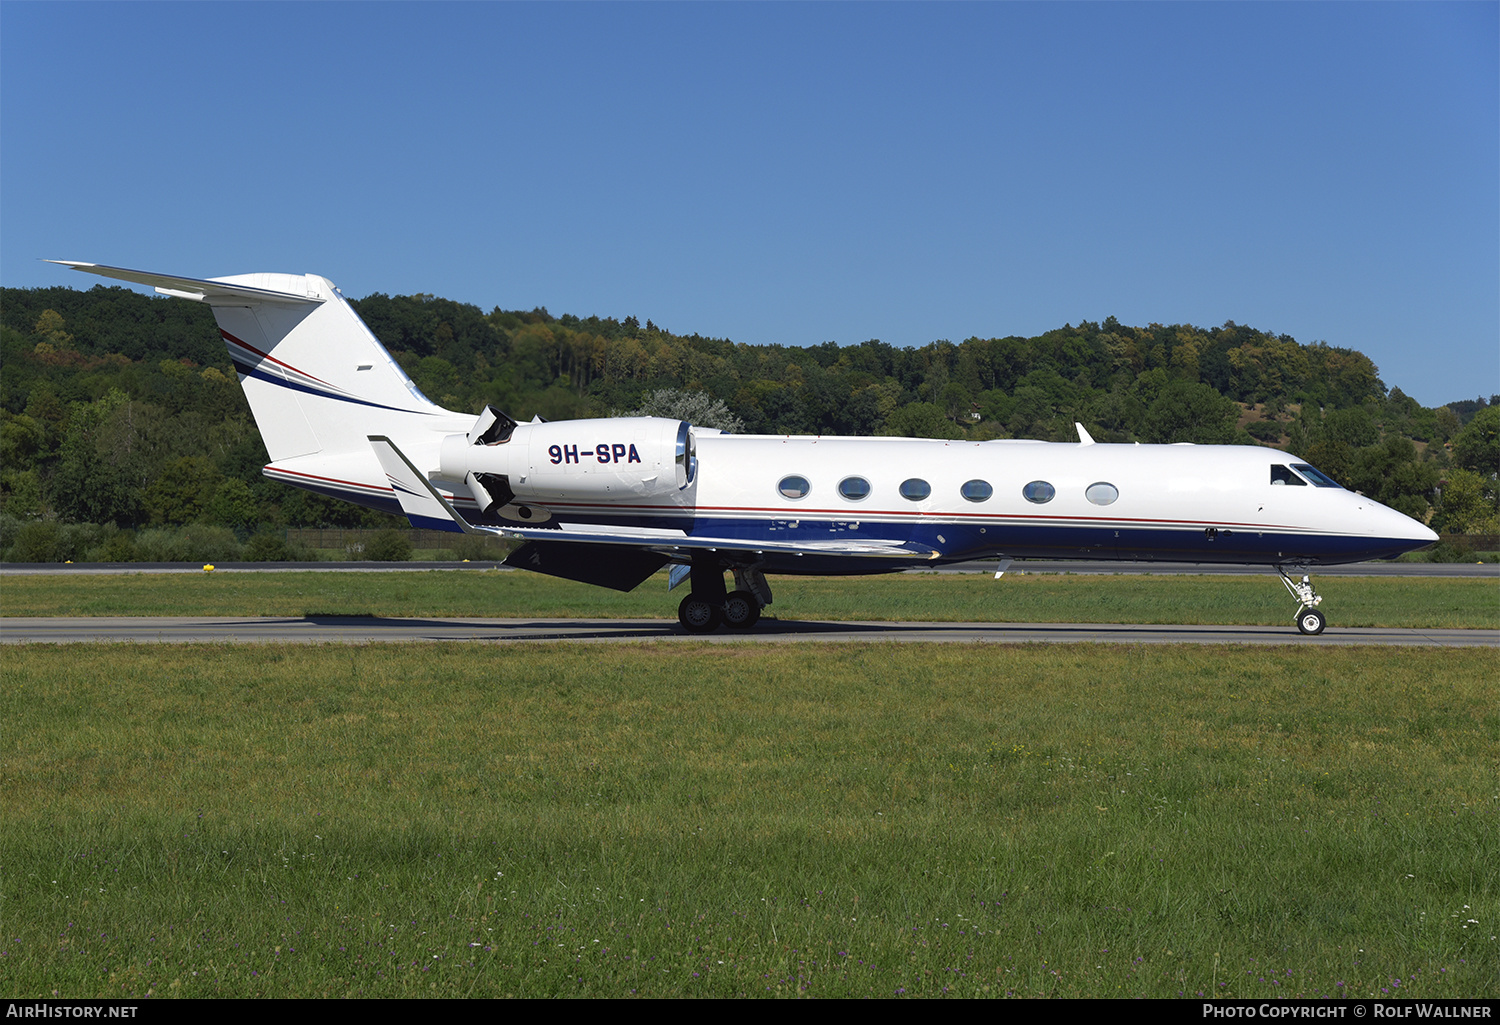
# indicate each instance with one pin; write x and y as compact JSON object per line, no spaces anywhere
{"x":612,"y":501}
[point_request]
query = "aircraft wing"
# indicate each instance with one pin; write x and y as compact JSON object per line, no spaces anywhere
{"x":426,"y":507}
{"x":669,"y":541}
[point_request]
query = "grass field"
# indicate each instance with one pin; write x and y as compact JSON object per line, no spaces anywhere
{"x":1023,"y":598}
{"x":703,"y":820}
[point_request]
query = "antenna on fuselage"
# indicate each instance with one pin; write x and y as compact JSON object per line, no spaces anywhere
{"x":1083,"y":435}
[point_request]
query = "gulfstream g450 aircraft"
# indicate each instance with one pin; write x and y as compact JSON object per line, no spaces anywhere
{"x":612,"y":501}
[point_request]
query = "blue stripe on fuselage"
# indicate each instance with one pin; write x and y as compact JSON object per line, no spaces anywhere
{"x":961,"y":541}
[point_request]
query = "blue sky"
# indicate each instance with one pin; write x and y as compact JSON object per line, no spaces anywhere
{"x":791,"y":173}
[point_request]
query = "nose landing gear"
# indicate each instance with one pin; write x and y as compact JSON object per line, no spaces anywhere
{"x":1308,"y":619}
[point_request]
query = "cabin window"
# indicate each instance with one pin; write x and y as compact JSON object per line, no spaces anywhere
{"x":976,"y":490}
{"x":854,"y":488}
{"x":1039,"y":491}
{"x":794,"y":487}
{"x":1102,"y":493}
{"x":1281,"y":475}
{"x":915,"y":489}
{"x":1318,"y":477}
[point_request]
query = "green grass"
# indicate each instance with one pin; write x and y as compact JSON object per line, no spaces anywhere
{"x":670,"y":820}
{"x":1030,"y":598}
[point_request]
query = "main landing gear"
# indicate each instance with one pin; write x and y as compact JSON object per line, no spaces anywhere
{"x":708,"y":607}
{"x":1309,"y":620}
{"x":740,"y":611}
{"x":698,"y":615}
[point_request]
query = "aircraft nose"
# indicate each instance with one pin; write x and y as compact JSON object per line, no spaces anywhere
{"x":1400,"y":525}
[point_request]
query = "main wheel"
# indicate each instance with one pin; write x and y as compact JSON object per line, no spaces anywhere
{"x":1310,"y":622}
{"x":698,"y":616}
{"x":741,"y":610}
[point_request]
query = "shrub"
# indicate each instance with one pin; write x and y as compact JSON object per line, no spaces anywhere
{"x":478,"y":549}
{"x":195,"y":542}
{"x":272,"y":546}
{"x":388,"y":546}
{"x":34,"y":542}
{"x":117,"y":546}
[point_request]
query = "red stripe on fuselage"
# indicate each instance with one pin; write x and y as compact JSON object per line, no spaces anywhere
{"x":840,"y":514}
{"x":863,"y":514}
{"x":354,"y":484}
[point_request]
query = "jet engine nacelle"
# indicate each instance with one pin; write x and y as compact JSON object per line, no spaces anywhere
{"x":612,"y":460}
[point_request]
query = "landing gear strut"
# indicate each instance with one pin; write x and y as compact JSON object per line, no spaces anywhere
{"x":1309,"y":620}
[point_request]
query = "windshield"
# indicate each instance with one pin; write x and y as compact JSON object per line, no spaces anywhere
{"x":1318,"y":477}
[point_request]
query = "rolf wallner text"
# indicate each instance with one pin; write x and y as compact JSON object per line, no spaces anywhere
{"x":1415,"y":1009}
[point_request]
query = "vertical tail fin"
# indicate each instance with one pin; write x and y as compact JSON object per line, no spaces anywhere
{"x":317,"y":380}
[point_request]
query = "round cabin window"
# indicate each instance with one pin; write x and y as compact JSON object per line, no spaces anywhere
{"x":915,"y":489}
{"x":854,"y":488}
{"x":1039,"y":491}
{"x":794,"y":487}
{"x":1102,"y":493}
{"x":976,"y":490}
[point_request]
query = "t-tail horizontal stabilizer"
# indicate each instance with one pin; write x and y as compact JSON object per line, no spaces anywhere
{"x":424,"y":506}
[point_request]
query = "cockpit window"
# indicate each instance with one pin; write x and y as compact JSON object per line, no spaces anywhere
{"x":1318,"y":477}
{"x":1281,"y":475}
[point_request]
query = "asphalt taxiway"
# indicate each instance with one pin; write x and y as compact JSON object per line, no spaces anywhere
{"x":366,"y":630}
{"x":1358,"y":569}
{"x":382,"y":630}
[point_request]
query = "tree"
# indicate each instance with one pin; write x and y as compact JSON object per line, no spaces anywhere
{"x":1185,"y":411}
{"x":86,"y":487}
{"x":697,"y":408}
{"x":232,"y":504}
{"x":1477,"y":446}
{"x":183,"y":491}
{"x":921,"y":420}
{"x":1391,"y":473}
{"x":1470,"y":505}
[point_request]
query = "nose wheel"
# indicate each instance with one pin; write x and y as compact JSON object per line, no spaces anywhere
{"x":1309,"y":620}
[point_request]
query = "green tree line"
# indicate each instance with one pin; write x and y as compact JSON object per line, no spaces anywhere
{"x":121,"y":409}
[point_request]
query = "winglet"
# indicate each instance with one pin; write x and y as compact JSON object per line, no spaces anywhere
{"x":424,"y":506}
{"x":1083,"y":435}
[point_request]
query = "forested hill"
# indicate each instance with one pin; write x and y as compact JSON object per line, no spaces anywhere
{"x":122,"y":408}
